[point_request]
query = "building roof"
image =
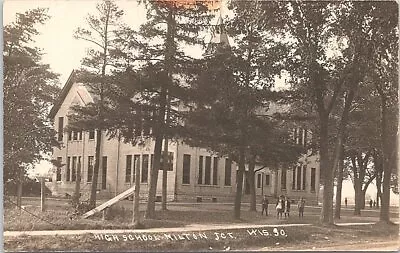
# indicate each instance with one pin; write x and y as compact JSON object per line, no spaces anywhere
{"x":63,"y":95}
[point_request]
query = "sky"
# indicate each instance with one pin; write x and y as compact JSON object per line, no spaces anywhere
{"x":64,"y":53}
{"x":61,"y":50}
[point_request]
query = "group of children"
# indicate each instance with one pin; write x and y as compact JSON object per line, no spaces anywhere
{"x":283,"y":206}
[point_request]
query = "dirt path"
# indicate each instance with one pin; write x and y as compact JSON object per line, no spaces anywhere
{"x":362,"y":245}
{"x":365,"y":246}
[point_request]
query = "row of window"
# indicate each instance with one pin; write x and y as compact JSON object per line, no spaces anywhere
{"x":207,"y":164}
{"x":259,"y":180}
{"x":299,"y":178}
{"x":300,"y":137}
{"x":207,"y":170}
{"x":134,"y":162}
{"x":74,"y":164}
{"x":140,"y":128}
{"x":72,"y":135}
{"x":77,"y":135}
{"x":297,"y":182}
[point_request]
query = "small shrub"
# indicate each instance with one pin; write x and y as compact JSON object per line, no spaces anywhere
{"x":118,"y":213}
{"x":80,"y":207}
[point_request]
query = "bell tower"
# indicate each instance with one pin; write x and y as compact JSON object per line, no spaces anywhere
{"x":219,"y":41}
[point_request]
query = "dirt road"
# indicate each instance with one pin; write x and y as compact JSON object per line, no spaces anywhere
{"x":392,"y":245}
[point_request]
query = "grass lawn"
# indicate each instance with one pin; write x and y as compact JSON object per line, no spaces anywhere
{"x":235,"y":239}
{"x":58,"y":216}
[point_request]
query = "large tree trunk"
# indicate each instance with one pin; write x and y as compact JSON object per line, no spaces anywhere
{"x":151,"y":205}
{"x":136,"y":197}
{"x":164,"y":177}
{"x":165,"y":81}
{"x":19,"y":187}
{"x":159,"y":130}
{"x":77,"y":192}
{"x":239,"y":184}
{"x":362,"y":199}
{"x":327,"y":175}
{"x":252,"y":165}
{"x":357,"y":196}
{"x":339,"y":185}
{"x":384,"y":214}
{"x":93,"y":190}
{"x":378,"y":178}
{"x":378,"y":189}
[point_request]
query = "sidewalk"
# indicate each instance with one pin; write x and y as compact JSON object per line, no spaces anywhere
{"x":189,"y":228}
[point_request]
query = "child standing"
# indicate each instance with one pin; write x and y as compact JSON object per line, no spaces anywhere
{"x":300,"y":206}
{"x":264,"y":205}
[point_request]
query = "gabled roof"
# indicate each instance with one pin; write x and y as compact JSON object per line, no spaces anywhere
{"x":63,"y":95}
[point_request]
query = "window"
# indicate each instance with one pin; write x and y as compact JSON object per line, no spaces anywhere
{"x":60,"y":133}
{"x":80,"y":135}
{"x":128,"y":169}
{"x":283,"y":179}
{"x":258,"y":180}
{"x":69,"y":135}
{"x":294,"y":179}
{"x":145,"y":168}
{"x":304,"y":176}
{"x":58,"y":175}
{"x":151,"y":161}
{"x":305,"y":138}
{"x":146,"y":128}
{"x":91,"y":135}
{"x":228,"y":172}
{"x":200,"y":179}
{"x":295,"y":135}
{"x":73,"y":177}
{"x":79,"y":169}
{"x":298,"y":177}
{"x":90,"y":168}
{"x":104,"y":173}
{"x":136,"y":166}
{"x":170,"y":161}
{"x":313,"y":179}
{"x":215,"y":171}
{"x":207,"y":171}
{"x":186,"y":169}
{"x":267,"y":180}
{"x":300,"y":136}
{"x":74,"y":135}
{"x":68,"y":174}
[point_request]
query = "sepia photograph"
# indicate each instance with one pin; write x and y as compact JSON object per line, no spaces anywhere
{"x":200,"y":125}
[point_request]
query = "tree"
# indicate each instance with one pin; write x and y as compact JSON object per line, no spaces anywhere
{"x":330,"y":55}
{"x":174,"y":25}
{"x":385,"y":77}
{"x":362,"y":143}
{"x":147,"y":75}
{"x":101,"y":33}
{"x":230,"y":113}
{"x":30,"y":88}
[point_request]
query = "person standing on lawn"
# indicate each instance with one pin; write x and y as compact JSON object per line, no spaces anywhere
{"x":264,"y":204}
{"x":345,"y":202}
{"x":287,"y":206}
{"x":279,"y":207}
{"x":300,"y":206}
{"x":370,"y":203}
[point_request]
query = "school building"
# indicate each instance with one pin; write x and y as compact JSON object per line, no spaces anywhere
{"x":194,"y":174}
